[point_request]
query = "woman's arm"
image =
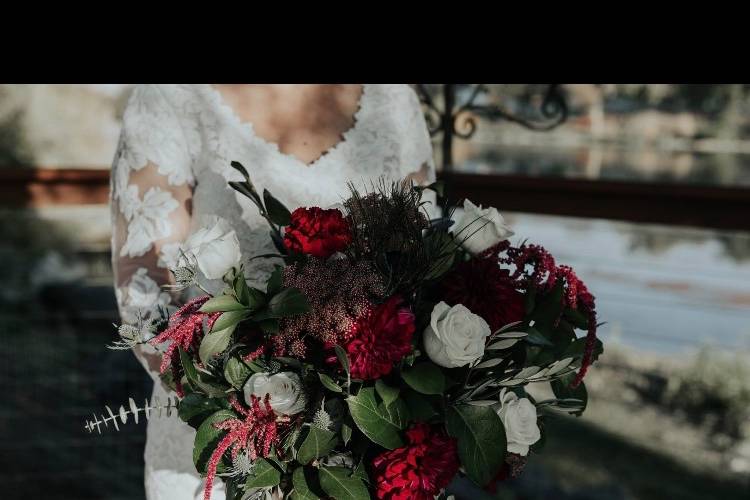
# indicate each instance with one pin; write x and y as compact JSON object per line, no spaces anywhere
{"x":151,"y":193}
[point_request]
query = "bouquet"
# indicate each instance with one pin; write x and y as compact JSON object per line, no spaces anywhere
{"x":388,"y":354}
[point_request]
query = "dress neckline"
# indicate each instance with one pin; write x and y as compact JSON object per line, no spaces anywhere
{"x":274,"y":147}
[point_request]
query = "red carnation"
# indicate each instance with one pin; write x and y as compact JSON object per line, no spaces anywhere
{"x":380,"y":338}
{"x":317,"y":232}
{"x":419,"y":470}
{"x":485,"y":289}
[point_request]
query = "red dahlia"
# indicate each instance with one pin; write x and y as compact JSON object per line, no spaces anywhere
{"x":318,"y":232}
{"x":419,"y":470}
{"x":485,"y":289}
{"x":381,"y":337}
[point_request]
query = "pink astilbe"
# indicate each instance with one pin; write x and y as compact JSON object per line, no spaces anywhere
{"x":185,"y":330}
{"x":256,"y":431}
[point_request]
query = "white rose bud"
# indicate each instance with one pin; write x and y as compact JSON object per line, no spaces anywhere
{"x":480,"y":228}
{"x":215,"y":247}
{"x":284,"y":390}
{"x":519,"y":418}
{"x":456,"y":336}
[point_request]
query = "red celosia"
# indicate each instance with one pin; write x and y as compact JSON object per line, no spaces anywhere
{"x":419,"y":470}
{"x":257,"y":431}
{"x":578,"y":297}
{"x":533,"y":266}
{"x":318,"y":232}
{"x":185,"y":330}
{"x":381,"y":337}
{"x":485,"y":289}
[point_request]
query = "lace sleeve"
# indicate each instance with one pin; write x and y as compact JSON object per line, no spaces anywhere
{"x":419,"y":164}
{"x":151,"y":191}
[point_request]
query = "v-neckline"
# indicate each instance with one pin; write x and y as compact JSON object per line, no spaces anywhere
{"x":273,"y":146}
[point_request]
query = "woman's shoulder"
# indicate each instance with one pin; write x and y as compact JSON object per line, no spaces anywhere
{"x":175,"y":95}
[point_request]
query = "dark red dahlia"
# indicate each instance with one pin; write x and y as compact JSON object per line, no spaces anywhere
{"x":485,"y":289}
{"x":382,"y":336}
{"x":185,"y":330}
{"x":419,"y":470}
{"x":318,"y":232}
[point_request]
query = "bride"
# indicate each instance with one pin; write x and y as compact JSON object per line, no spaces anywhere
{"x":303,"y":143}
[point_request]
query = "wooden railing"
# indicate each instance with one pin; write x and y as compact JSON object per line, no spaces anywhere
{"x":38,"y":187}
{"x":673,"y":204}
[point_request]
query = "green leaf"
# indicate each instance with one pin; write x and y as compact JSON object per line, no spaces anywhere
{"x":215,"y":343}
{"x":386,"y":393}
{"x":257,"y":299}
{"x":270,"y":325}
{"x":208,"y":437}
{"x":236,"y":372}
{"x":264,"y":475}
{"x":195,"y":408}
{"x":238,"y":166}
{"x":288,"y":302}
{"x":189,"y":368}
{"x":343,"y":358}
{"x":443,"y":248}
{"x":328,"y":383}
{"x":241,"y":290}
{"x":562,"y":390}
{"x":346,"y":433}
{"x":277,"y":212}
{"x":549,"y":307}
{"x":535,"y":337}
{"x":229,"y":319}
{"x":420,"y":407}
{"x":274,"y":281}
{"x":576,"y":318}
{"x":338,"y":483}
{"x":578,"y":347}
{"x":380,"y":423}
{"x":481,"y":440}
{"x":221,"y":303}
{"x":425,"y":377}
{"x":301,"y":489}
{"x":197,"y":380}
{"x":317,"y":443}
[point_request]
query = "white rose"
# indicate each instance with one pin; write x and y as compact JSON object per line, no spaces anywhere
{"x":480,"y":228}
{"x":215,"y":248}
{"x":456,"y":336}
{"x":519,"y":419}
{"x":284,"y":390}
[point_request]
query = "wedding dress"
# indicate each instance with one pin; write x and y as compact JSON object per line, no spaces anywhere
{"x":171,"y":169}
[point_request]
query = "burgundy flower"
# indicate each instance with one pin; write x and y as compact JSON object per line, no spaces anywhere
{"x":382,"y":336}
{"x":485,"y":289}
{"x":511,"y":468}
{"x":419,"y":470}
{"x":318,"y":232}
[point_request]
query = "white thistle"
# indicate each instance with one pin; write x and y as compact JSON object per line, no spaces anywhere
{"x":274,"y":366}
{"x":322,"y":419}
{"x":241,"y":466}
{"x":184,"y":274}
{"x":133,"y":335}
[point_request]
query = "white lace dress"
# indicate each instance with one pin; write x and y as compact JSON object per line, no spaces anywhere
{"x":172,"y":167}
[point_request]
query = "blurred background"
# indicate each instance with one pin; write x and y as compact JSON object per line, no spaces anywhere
{"x":644,"y":189}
